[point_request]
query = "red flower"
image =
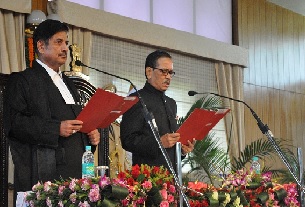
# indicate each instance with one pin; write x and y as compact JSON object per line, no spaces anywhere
{"x":156,"y":169}
{"x":135,"y":171}
{"x":122,"y":175}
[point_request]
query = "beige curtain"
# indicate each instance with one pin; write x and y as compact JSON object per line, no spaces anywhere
{"x":230,"y":83}
{"x":83,"y":38}
{"x":12,"y":52}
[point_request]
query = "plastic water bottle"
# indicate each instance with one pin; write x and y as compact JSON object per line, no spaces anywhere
{"x":88,"y":163}
{"x":256,"y":167}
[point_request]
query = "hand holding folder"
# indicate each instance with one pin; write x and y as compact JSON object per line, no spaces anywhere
{"x":199,"y":123}
{"x":104,"y":108}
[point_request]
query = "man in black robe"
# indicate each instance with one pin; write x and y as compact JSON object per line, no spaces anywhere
{"x":40,"y":108}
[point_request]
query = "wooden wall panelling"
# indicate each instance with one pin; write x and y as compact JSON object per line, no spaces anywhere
{"x":267,"y":38}
{"x":273,"y":75}
{"x":302,"y":56}
{"x":258,"y":43}
{"x":296,"y":52}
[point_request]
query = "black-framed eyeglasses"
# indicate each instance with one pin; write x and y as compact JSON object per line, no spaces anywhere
{"x":165,"y":72}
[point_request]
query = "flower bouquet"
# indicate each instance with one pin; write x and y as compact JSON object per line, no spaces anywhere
{"x":141,"y":186}
{"x":244,"y":189}
{"x":78,"y":192}
{"x":149,"y":186}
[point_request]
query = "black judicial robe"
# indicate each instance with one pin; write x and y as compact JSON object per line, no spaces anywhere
{"x":33,"y":110}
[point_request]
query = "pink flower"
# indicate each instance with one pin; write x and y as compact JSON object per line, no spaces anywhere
{"x":49,"y":202}
{"x":170,"y":198}
{"x":94,"y":194}
{"x":267,"y":176}
{"x":85,"y":184}
{"x":147,"y":185}
{"x":35,"y":187}
{"x":38,"y":195}
{"x":47,"y":186}
{"x":164,"y":204}
{"x":163,"y":193}
{"x":72,"y":184}
{"x":119,"y":182}
{"x":125,"y":202}
{"x":172,"y":189}
{"x":104,"y":181}
{"x":72,"y":197}
{"x":60,"y":204}
{"x":84,"y":204}
{"x":61,"y":189}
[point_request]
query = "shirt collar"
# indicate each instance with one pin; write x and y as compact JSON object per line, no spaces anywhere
{"x":50,"y":71}
{"x":152,"y":89}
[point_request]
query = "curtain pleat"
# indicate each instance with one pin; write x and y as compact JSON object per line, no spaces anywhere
{"x":12,"y":58}
{"x":230,"y":83}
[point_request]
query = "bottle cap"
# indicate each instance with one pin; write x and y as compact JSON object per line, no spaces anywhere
{"x":255,"y":158}
{"x":88,"y":148}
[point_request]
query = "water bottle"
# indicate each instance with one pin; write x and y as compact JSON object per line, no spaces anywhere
{"x":256,"y":167}
{"x":88,"y":163}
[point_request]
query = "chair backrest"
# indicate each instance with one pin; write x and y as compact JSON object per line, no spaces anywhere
{"x":4,"y":147}
{"x":86,"y":91}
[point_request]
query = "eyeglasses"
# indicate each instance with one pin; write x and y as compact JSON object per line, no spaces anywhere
{"x":165,"y":72}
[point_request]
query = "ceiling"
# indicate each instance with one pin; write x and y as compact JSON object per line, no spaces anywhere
{"x":297,"y":6}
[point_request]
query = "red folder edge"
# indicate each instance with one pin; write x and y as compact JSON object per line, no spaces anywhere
{"x":98,"y":110}
{"x":199,"y":123}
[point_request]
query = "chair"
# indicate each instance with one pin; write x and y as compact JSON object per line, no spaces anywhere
{"x":4,"y":147}
{"x":86,"y":91}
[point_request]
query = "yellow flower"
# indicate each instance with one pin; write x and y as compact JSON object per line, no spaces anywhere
{"x":228,"y":198}
{"x":215,"y":195}
{"x":237,"y":202}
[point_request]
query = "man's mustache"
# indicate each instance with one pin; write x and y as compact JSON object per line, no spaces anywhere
{"x":167,"y":81}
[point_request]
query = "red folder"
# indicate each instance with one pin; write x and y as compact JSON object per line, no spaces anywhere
{"x":104,"y":108}
{"x":199,"y":123}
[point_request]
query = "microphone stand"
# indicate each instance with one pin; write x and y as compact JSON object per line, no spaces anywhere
{"x":151,"y":122}
{"x":267,"y":132}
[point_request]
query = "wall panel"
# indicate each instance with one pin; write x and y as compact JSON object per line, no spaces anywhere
{"x":274,"y":83}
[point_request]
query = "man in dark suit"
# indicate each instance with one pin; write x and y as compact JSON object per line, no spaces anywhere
{"x":41,"y":105}
{"x":136,"y":134}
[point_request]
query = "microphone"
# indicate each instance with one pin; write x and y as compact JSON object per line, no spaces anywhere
{"x":266,"y":131}
{"x":192,"y":93}
{"x":152,"y":123}
{"x":264,"y":128}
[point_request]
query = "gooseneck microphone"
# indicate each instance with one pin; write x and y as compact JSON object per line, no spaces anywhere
{"x":266,"y":131}
{"x":152,"y":123}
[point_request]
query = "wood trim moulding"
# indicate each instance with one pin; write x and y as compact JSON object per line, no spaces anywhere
{"x":150,"y":34}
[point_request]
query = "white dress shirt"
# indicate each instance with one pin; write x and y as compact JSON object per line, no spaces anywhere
{"x":58,"y":81}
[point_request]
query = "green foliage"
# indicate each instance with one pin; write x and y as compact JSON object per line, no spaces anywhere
{"x":208,"y":156}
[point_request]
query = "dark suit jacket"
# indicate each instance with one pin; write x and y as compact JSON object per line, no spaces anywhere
{"x":136,"y":135}
{"x":34,"y":109}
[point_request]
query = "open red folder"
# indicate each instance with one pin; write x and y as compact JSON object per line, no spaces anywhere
{"x":199,"y":123}
{"x":104,"y":108}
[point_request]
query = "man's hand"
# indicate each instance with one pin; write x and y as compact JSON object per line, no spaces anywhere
{"x":169,"y":140}
{"x":189,"y":147}
{"x":69,"y":127}
{"x":94,"y":137}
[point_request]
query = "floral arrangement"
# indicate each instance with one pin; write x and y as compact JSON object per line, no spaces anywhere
{"x":141,"y":186}
{"x":78,"y":192}
{"x":154,"y":186}
{"x":150,"y":186}
{"x":29,"y":51}
{"x":244,"y":189}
